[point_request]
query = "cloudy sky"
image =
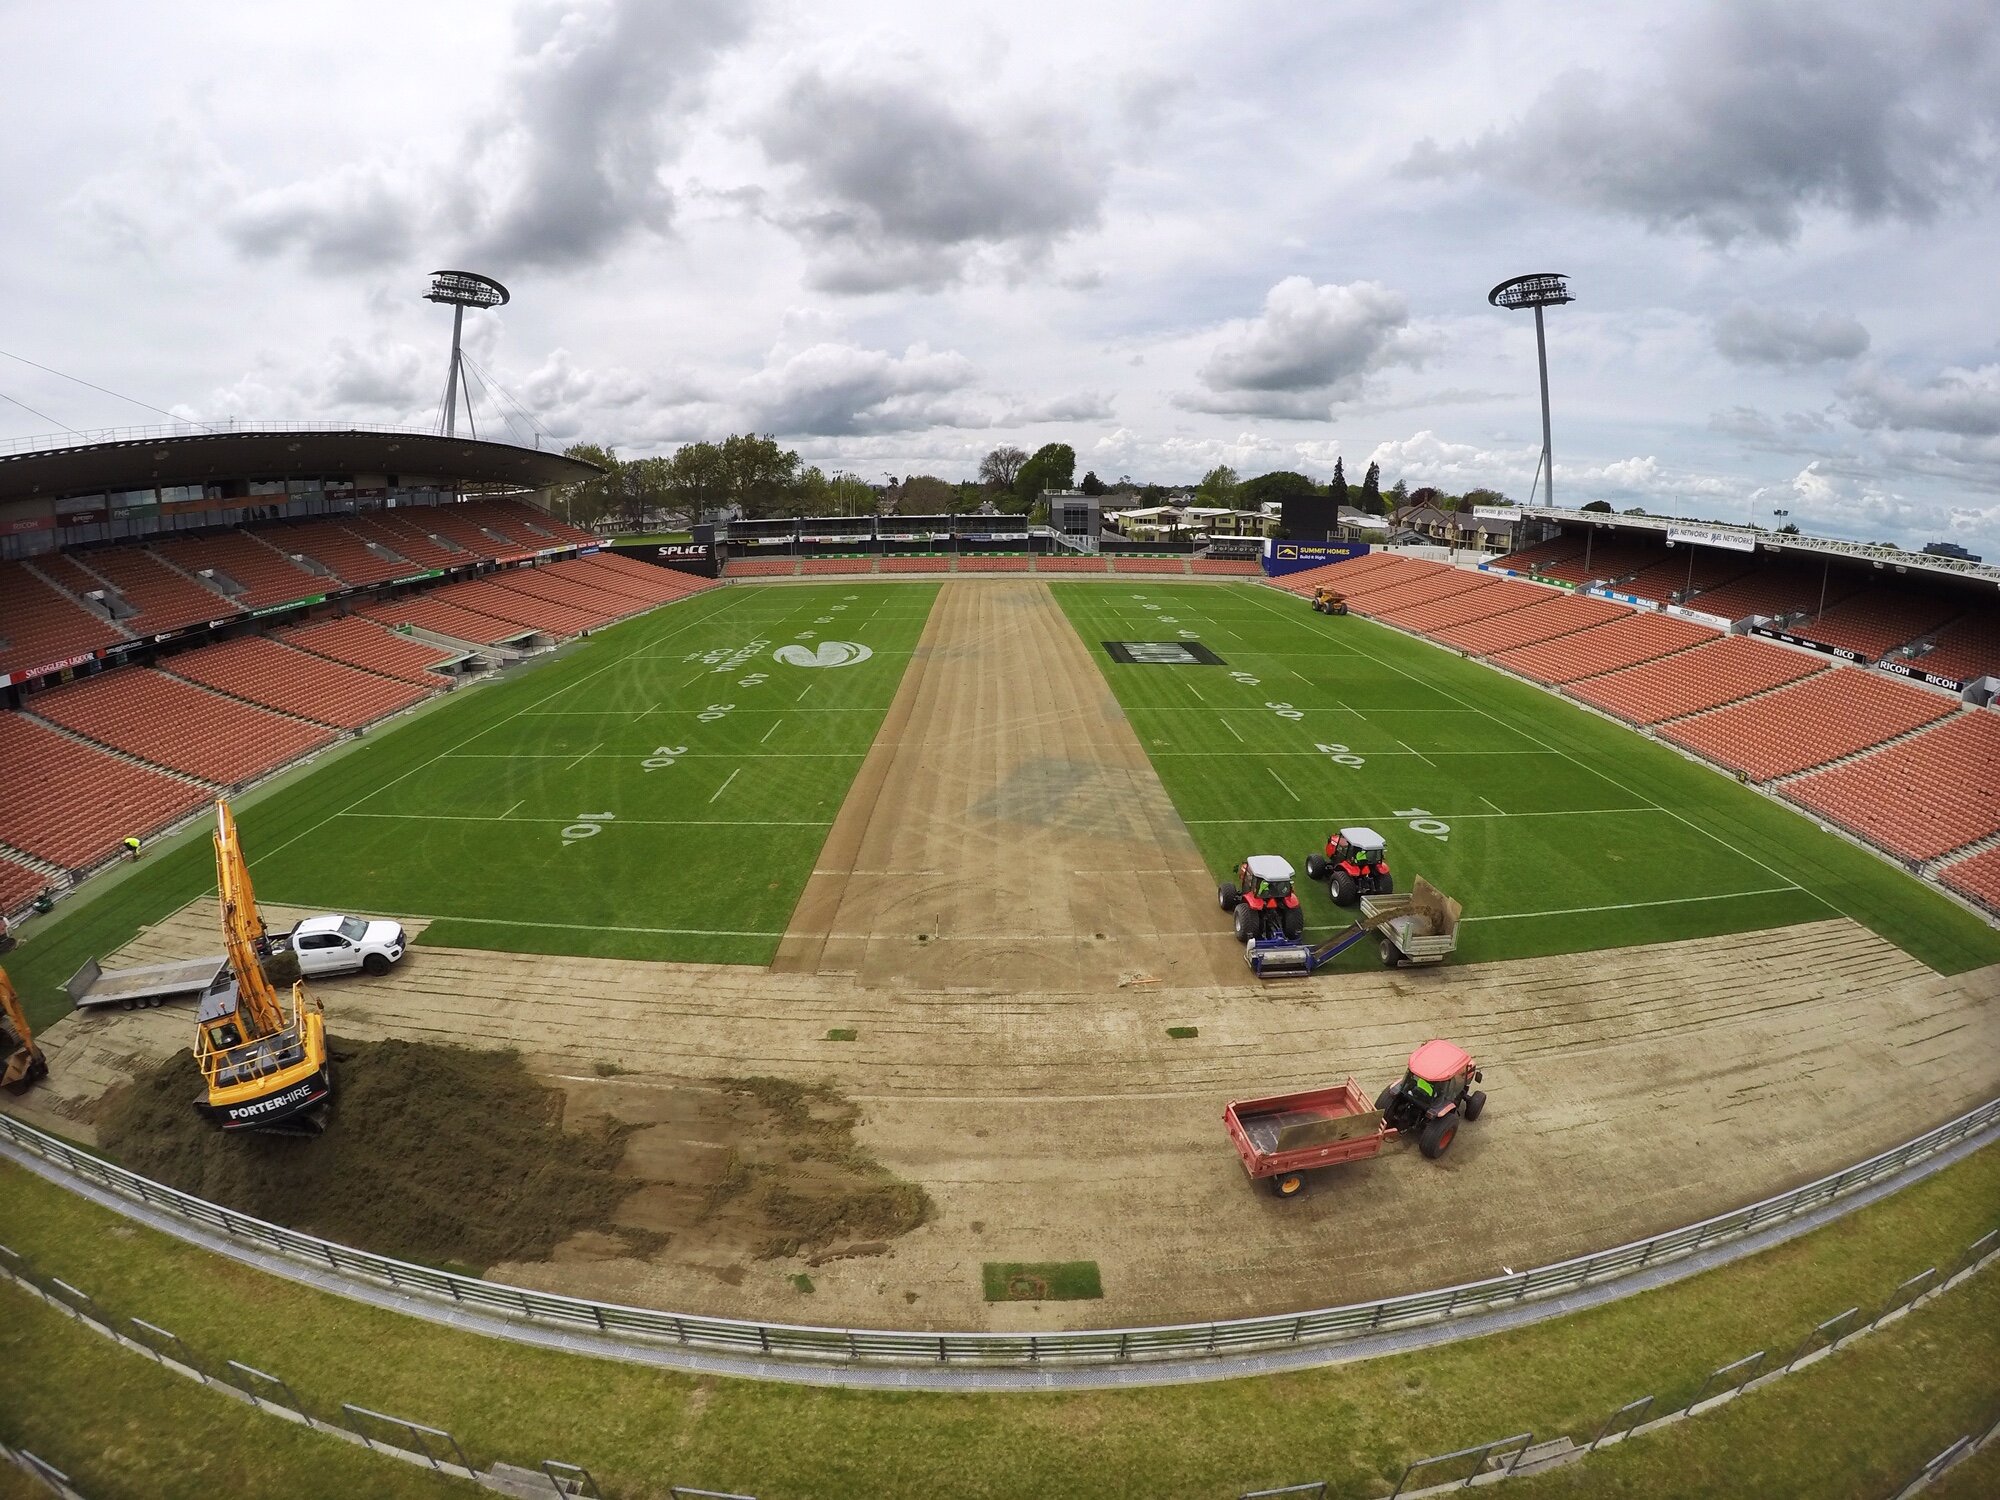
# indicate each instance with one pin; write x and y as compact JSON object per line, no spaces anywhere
{"x":897,"y":234}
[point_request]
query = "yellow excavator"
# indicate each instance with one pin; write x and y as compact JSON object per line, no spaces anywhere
{"x":264,"y":1065}
{"x":21,"y":1061}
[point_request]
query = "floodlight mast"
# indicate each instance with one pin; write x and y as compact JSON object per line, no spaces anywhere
{"x":461,"y":289}
{"x":1539,"y":290}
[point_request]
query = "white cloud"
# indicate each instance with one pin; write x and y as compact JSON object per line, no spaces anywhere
{"x":1960,"y":401}
{"x":1787,"y":338}
{"x":1310,"y":348}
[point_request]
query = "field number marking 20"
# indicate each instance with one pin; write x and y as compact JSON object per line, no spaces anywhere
{"x":1421,"y":821}
{"x":1342,"y":756}
{"x":663,"y":756}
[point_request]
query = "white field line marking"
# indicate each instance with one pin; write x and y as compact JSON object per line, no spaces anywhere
{"x":1423,"y":757}
{"x":772,"y":730}
{"x":1193,"y":689}
{"x":512,"y":810}
{"x":1300,"y":675}
{"x":1490,"y":803}
{"x":1592,"y":770}
{"x":622,"y":822}
{"x":807,"y":689}
{"x":725,"y":603}
{"x":1570,"y":911}
{"x":1574,"y":812}
{"x":1281,"y":782}
{"x":585,"y":756}
{"x":725,"y":783}
{"x":1232,"y":729}
{"x":1406,"y":750}
{"x":600,"y":927}
{"x":761,"y":754}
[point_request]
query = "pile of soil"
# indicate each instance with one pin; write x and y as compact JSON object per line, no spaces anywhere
{"x":442,"y":1155}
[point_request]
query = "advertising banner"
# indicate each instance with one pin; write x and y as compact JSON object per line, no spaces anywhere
{"x":1809,"y":643}
{"x":1700,"y":616}
{"x":682,"y":557}
{"x":1632,"y":599}
{"x":1709,"y":536}
{"x":1282,"y":557}
{"x":1917,"y":674}
{"x":1495,"y":513}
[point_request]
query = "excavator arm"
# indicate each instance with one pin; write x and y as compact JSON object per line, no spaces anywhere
{"x":243,"y":932}
{"x":21,"y":1061}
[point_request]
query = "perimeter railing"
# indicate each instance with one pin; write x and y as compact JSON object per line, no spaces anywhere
{"x":992,"y":1350}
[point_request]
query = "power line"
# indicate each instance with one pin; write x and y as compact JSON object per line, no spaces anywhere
{"x":115,"y":395}
{"x":33,"y":413}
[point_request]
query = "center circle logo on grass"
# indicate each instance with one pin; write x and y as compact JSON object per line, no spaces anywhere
{"x":829,"y":654}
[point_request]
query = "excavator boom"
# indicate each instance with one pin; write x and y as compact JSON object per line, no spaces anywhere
{"x":21,"y":1061}
{"x":243,"y":931}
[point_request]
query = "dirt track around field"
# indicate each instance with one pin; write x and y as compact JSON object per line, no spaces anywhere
{"x":1630,"y":1091}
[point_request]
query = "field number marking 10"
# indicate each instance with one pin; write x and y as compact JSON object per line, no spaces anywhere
{"x":1421,"y":821}
{"x":587,"y":825}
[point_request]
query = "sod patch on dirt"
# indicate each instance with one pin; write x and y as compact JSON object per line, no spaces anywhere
{"x":443,"y":1155}
{"x":1042,"y":1280}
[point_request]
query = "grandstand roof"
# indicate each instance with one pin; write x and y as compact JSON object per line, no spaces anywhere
{"x":133,"y":458}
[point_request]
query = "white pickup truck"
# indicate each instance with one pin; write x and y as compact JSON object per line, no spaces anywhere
{"x":340,"y":945}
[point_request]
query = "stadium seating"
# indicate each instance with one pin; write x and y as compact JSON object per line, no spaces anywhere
{"x":1877,"y":621}
{"x":1638,"y":637}
{"x":632,"y":578}
{"x":906,"y":565}
{"x":19,"y":885}
{"x":1919,"y":798}
{"x":1542,"y":555}
{"x":1084,"y":565}
{"x":166,"y":600}
{"x":1556,"y":614}
{"x":1476,"y":601}
{"x":1222,"y":567}
{"x":173,"y":724}
{"x":834,"y":566}
{"x":1966,"y":649}
{"x":1607,"y":559}
{"x":1776,"y":587}
{"x":1723,"y":671}
{"x":40,"y":625}
{"x":362,"y":643}
{"x":585,"y":599}
{"x":260,"y":670}
{"x":403,"y":533}
{"x":490,"y":596}
{"x":267,"y":576}
{"x":1149,"y":565}
{"x":1347,"y":573}
{"x":344,"y":553}
{"x":429,"y":613}
{"x":542,"y":522}
{"x":1398,"y":592}
{"x":463,"y":525}
{"x":974,"y":564}
{"x":1810,"y":723}
{"x":66,"y":573}
{"x":1688,"y":571}
{"x":71,"y":804}
{"x":1978,"y":877}
{"x":760,"y":567}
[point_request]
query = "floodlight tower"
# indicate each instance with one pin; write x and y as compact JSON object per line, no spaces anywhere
{"x":1539,"y":290}
{"x":463,"y":289}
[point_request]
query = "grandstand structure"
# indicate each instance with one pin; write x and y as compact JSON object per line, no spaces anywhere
{"x":183,"y":614}
{"x":1854,"y":682}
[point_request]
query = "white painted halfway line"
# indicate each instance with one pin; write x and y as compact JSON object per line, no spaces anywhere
{"x":725,"y":785}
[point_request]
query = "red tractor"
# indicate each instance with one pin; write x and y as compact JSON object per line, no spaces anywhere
{"x":1435,"y":1094}
{"x":1263,"y":900}
{"x":1356,"y":864}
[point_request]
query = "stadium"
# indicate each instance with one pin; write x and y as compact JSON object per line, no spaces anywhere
{"x":853,"y":914}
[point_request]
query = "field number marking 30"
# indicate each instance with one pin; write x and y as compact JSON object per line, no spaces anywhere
{"x":714,"y":711}
{"x":1286,"y":711}
{"x":1421,"y":821}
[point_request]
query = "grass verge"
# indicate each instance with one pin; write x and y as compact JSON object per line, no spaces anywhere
{"x":1354,"y":1424}
{"x":1041,"y":1281}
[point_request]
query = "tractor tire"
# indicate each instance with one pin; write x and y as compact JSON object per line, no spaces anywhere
{"x":1385,"y":884}
{"x":375,"y":965}
{"x":1475,"y":1103}
{"x":1229,"y":896}
{"x":1288,"y":1184}
{"x":1384,"y":1099}
{"x":1317,"y":868}
{"x":1345,"y":891}
{"x":1295,"y":923}
{"x":1437,"y":1136}
{"x":1247,"y":924}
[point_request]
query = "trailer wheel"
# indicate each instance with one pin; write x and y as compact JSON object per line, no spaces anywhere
{"x":128,"y":1003}
{"x":1317,"y":868}
{"x":1228,"y":896}
{"x":375,"y":965}
{"x":1295,"y":923}
{"x":1247,"y":923}
{"x":1288,"y":1184}
{"x":1345,"y":891}
{"x":1392,"y":956}
{"x":1437,"y":1136}
{"x":1474,"y":1103}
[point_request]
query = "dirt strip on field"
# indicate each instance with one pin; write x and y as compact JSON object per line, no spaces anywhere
{"x":1006,"y":829}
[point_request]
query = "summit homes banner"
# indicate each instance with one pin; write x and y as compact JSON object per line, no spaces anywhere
{"x":1282,"y":557}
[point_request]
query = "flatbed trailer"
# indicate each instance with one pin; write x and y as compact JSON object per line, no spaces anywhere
{"x":1283,"y":1135}
{"x":94,"y":987}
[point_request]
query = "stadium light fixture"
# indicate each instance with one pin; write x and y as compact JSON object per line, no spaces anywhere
{"x":1538,"y":290}
{"x":460,"y":290}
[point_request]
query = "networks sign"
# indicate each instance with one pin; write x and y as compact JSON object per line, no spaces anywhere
{"x":1710,"y":536}
{"x":1293,"y":557}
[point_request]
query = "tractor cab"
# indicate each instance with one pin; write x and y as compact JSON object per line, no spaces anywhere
{"x":1263,"y":899}
{"x":1266,"y":877}
{"x":1356,"y":864}
{"x":1435,"y":1094}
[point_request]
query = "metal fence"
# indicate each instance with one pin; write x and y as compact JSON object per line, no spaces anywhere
{"x":989,"y":1350}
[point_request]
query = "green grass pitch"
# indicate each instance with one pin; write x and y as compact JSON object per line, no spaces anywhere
{"x":1559,"y":830}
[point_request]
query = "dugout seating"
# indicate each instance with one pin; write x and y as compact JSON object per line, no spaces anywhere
{"x":760,"y":567}
{"x":1149,"y":565}
{"x":1476,"y":601}
{"x":166,"y":599}
{"x":18,"y":886}
{"x":823,"y":567}
{"x":1081,"y":565}
{"x":1877,"y":621}
{"x":1223,"y":567}
{"x":343,"y":553}
{"x":1725,"y":670}
{"x":1977,"y":876}
{"x":491,"y":597}
{"x":71,"y":804}
{"x":974,"y":564}
{"x":262,"y":671}
{"x":404,"y":533}
{"x":1639,"y":637}
{"x":1820,"y":719}
{"x":1775,"y":587}
{"x":267,"y":576}
{"x":1556,"y":614}
{"x":1920,"y":798}
{"x":363,"y":643}
{"x":176,"y":725}
{"x":41,"y":625}
{"x":427,"y":612}
{"x":1965,"y":649}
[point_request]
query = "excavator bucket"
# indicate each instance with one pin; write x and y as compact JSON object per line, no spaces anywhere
{"x":21,"y":1061}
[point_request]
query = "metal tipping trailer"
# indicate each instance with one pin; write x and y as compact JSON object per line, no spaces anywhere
{"x":94,"y":987}
{"x":1417,"y":927}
